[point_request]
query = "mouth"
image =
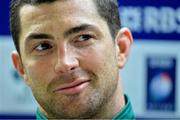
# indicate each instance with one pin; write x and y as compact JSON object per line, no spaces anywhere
{"x":72,"y":88}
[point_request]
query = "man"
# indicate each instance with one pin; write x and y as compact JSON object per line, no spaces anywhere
{"x":69,"y":52}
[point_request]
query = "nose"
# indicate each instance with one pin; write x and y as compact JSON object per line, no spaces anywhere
{"x":66,"y":62}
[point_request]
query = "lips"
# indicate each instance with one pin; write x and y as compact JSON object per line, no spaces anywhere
{"x":74,"y":87}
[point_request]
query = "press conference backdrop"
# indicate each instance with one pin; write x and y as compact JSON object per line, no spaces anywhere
{"x":151,"y":76}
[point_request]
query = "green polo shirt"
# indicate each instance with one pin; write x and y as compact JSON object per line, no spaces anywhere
{"x":125,"y":113}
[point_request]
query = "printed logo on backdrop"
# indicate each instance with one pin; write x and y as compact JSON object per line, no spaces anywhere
{"x":151,"y":20}
{"x":161,"y":81}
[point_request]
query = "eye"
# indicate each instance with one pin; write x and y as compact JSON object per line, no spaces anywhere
{"x":43,"y":46}
{"x":83,"y":38}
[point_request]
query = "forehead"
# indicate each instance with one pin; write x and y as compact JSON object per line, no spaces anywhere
{"x":59,"y":8}
{"x":61,"y":13}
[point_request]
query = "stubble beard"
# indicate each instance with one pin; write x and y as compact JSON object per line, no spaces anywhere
{"x":86,"y":105}
{"x":86,"y":108}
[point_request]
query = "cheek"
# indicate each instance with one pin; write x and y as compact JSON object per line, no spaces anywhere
{"x":97,"y":58}
{"x":91,"y":58}
{"x":38,"y":73}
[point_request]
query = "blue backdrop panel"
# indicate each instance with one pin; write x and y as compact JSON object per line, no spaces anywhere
{"x":4,"y":17}
{"x":152,"y":19}
{"x":148,"y":19}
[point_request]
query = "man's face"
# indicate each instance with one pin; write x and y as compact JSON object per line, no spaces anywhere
{"x":69,"y":57}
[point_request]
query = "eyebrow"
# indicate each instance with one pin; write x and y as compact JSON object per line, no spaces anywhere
{"x":36,"y":36}
{"x":79,"y":28}
{"x":74,"y":30}
{"x":39,"y":36}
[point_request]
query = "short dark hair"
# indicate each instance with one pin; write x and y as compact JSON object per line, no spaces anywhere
{"x":107,"y":9}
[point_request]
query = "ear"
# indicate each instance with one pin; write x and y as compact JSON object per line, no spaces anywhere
{"x":123,"y":40}
{"x":16,"y":59}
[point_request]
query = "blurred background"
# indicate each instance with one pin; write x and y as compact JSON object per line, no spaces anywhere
{"x":151,"y":76}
